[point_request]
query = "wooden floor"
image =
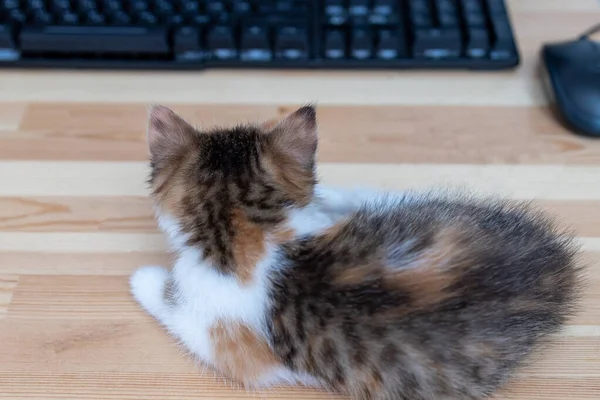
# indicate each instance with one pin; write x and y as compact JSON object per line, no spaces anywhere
{"x":75,"y":220}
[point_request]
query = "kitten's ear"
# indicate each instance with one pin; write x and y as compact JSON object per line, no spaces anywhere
{"x":167,"y":132}
{"x":296,"y":135}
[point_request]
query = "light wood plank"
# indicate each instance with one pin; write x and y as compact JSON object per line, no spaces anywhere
{"x":105,"y":264}
{"x":97,"y":287}
{"x":552,"y":388}
{"x":11,"y":115}
{"x":581,"y":216}
{"x":90,"y":345}
{"x":72,"y":242}
{"x":54,"y":297}
{"x":268,"y":87}
{"x":136,"y":385}
{"x":8,"y":283}
{"x":358,"y":134}
{"x":548,"y":182}
{"x":97,"y":242}
{"x":109,"y":264}
{"x":141,"y":346}
{"x":580,"y":353}
{"x":76,"y":214}
{"x":174,"y":386}
{"x":134,"y":214}
{"x":560,"y":6}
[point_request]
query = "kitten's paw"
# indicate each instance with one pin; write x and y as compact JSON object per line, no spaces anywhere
{"x":148,"y":286}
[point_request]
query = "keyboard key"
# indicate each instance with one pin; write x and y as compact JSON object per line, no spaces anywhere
{"x":292,"y":43}
{"x":384,"y":19}
{"x":475,"y":19}
{"x":92,"y":39}
{"x":108,"y":6}
{"x":286,"y":6}
{"x":447,"y":13}
{"x":390,"y":45}
{"x":135,"y":6}
{"x":420,"y":14}
{"x":41,"y":17}
{"x":255,"y":44}
{"x":502,"y":47}
{"x":241,"y":7}
{"x":120,"y":18}
{"x":174,"y":19}
{"x":186,"y":43}
{"x":16,"y":16}
{"x":221,"y":43}
{"x":190,"y":7}
{"x":337,"y":19}
{"x":200,"y":19}
{"x":35,"y":4}
{"x":95,"y":18}
{"x":147,"y":18}
{"x":7,"y":43}
{"x":10,"y":4}
{"x":361,"y":44}
{"x":335,"y":45}
{"x":215,"y":7}
{"x":478,"y":42}
{"x":163,"y":8}
{"x":336,"y":12}
{"x":334,"y":7}
{"x":437,"y":43}
{"x":471,"y":5}
{"x":69,"y":18}
{"x":448,"y":20}
{"x":496,"y":7}
{"x":445,"y":6}
{"x":86,"y":6}
{"x":419,"y":5}
{"x":359,"y":7}
{"x":385,"y":6}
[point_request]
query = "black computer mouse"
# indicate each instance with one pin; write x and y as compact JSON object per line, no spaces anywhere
{"x":573,"y":69}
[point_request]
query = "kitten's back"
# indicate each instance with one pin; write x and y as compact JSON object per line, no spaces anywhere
{"x":429,"y":299}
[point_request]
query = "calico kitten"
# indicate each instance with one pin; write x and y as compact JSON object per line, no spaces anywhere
{"x":281,"y":280}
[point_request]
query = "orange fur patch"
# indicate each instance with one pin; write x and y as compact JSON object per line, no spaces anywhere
{"x":356,"y":275}
{"x":432,"y":272}
{"x":248,"y":246}
{"x":375,"y":382}
{"x":171,"y":197}
{"x":283,"y":235}
{"x":240,"y":353}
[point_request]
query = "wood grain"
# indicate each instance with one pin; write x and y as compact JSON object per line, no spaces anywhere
{"x":75,"y":219}
{"x":110,"y":179}
{"x":407,"y":134}
{"x":8,"y":283}
{"x":56,"y":263}
{"x":134,"y":214}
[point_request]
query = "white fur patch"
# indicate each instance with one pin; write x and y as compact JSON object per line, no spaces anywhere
{"x":205,"y":296}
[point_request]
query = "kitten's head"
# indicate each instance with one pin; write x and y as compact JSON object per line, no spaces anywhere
{"x":209,"y":179}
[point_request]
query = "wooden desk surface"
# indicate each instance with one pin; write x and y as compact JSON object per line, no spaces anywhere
{"x":74,"y":219}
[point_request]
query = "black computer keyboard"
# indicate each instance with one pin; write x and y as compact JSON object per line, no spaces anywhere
{"x":195,"y":34}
